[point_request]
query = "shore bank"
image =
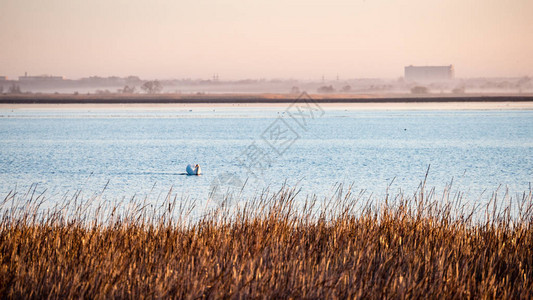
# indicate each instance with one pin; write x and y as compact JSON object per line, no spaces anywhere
{"x":330,"y":101}
{"x":255,"y":98}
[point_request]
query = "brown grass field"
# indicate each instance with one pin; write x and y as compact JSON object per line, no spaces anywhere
{"x":417,"y":246}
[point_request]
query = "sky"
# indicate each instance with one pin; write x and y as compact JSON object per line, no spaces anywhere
{"x":284,"y":39}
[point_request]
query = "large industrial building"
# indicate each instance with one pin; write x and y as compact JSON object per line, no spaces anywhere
{"x":429,"y":73}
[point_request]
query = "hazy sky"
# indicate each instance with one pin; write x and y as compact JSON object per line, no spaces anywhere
{"x":264,"y":39}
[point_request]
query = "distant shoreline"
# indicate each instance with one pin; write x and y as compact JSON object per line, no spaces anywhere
{"x":252,"y":98}
{"x":269,"y":101}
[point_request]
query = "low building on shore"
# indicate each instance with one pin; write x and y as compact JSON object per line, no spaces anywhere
{"x":40,"y":78}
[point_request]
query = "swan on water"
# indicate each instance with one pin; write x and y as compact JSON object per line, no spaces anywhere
{"x":196,"y":170}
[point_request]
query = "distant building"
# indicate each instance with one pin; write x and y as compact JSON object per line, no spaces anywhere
{"x":429,"y":73}
{"x":3,"y":78}
{"x":41,"y":78}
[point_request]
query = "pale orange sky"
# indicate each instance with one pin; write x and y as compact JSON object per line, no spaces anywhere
{"x":264,"y":39}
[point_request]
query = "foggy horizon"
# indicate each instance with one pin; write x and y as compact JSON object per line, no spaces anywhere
{"x":273,"y":40}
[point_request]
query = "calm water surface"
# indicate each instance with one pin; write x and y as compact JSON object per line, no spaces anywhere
{"x":145,"y":152}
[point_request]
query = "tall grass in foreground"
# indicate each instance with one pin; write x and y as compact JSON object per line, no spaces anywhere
{"x":417,"y":246}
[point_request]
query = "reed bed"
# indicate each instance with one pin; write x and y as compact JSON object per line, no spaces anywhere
{"x":275,"y":245}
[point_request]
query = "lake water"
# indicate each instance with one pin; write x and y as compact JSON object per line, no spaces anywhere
{"x":140,"y":152}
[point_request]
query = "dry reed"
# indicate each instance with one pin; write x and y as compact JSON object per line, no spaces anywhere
{"x":275,"y":246}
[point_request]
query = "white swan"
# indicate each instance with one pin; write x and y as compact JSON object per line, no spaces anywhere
{"x":196,"y":170}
